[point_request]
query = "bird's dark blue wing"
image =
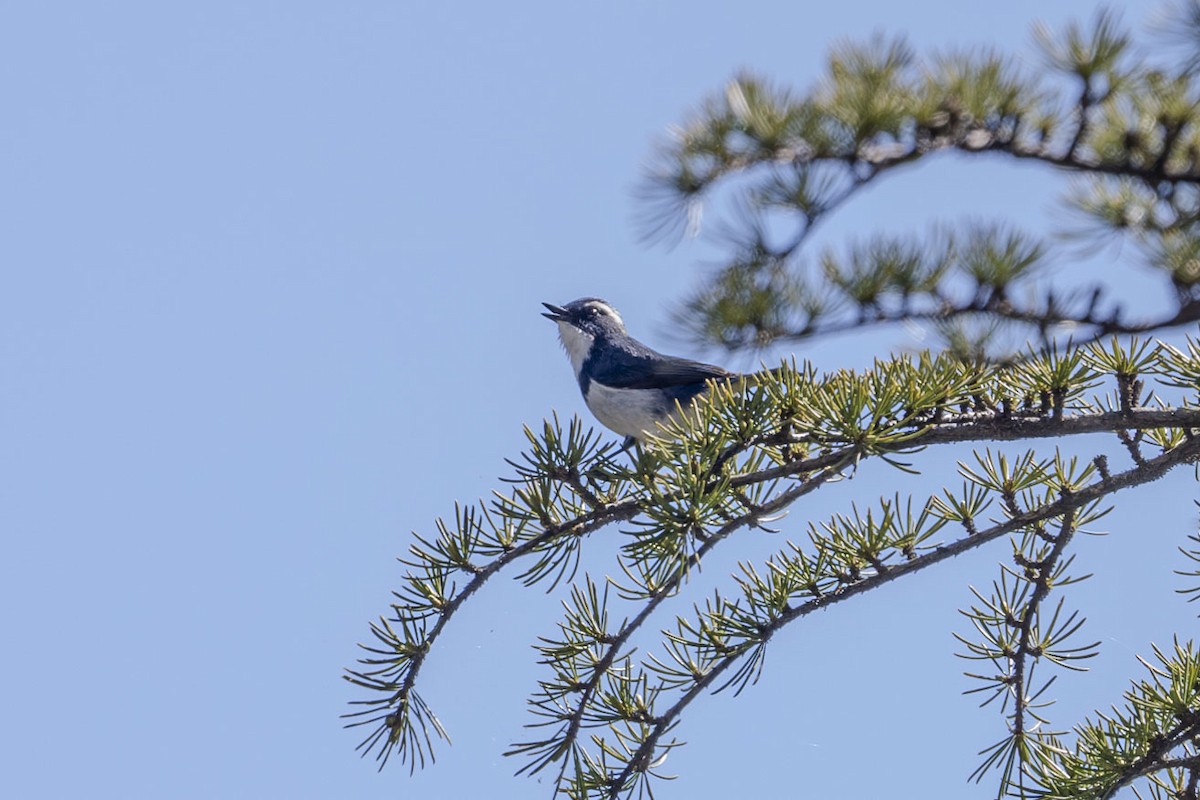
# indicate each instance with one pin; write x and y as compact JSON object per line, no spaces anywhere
{"x":664,"y":374}
{"x":642,"y":368}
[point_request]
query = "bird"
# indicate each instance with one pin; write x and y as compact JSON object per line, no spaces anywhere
{"x":630,"y":388}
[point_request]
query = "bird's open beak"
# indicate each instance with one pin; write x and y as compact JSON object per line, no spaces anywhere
{"x":557,"y":313}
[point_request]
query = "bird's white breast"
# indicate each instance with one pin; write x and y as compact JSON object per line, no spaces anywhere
{"x":629,"y":412}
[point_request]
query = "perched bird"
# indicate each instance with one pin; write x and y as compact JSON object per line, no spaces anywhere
{"x":630,"y":388}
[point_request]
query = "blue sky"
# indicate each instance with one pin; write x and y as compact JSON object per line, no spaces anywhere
{"x":270,"y":301}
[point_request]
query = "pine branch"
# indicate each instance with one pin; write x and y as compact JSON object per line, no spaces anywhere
{"x":643,"y":755}
{"x":749,"y":451}
{"x":790,"y":161}
{"x":1099,"y":325}
{"x":562,"y":742}
{"x":1155,"y":736}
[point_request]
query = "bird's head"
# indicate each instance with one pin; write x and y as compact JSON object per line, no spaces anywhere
{"x":582,"y":322}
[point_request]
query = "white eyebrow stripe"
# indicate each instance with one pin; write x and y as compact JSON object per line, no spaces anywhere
{"x":604,"y":308}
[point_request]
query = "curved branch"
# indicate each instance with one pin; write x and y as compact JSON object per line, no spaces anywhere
{"x":1102,"y":325}
{"x":830,"y":466}
{"x":1153,"y":469}
{"x":1155,"y":759}
{"x":955,"y":428}
{"x":574,"y":724}
{"x":578,"y":526}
